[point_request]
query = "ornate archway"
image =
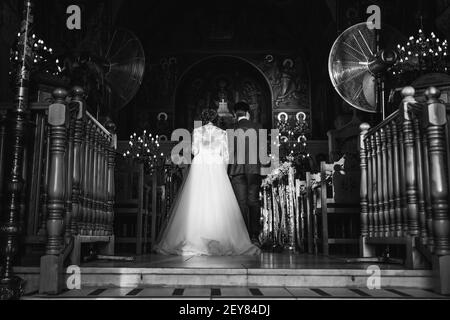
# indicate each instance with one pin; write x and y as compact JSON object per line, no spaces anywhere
{"x":222,"y":79}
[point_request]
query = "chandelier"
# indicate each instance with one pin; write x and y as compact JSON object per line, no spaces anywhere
{"x":145,"y":149}
{"x":422,"y":53}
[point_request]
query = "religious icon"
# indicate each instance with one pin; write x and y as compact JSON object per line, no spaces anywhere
{"x":162,"y":125}
{"x":163,"y":138}
{"x":282,"y":117}
{"x":300,"y":115}
{"x":282,"y":121}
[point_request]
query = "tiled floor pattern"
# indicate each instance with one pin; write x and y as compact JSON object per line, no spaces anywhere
{"x":243,"y":293}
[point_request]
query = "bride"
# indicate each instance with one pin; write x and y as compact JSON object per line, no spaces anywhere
{"x":206,"y":219}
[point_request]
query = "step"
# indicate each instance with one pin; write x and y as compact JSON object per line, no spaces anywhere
{"x":231,"y":277}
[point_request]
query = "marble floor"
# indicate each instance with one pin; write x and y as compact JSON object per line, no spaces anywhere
{"x":237,"y":293}
{"x":266,"y":260}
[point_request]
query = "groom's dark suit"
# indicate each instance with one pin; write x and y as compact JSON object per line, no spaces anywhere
{"x":246,"y":179}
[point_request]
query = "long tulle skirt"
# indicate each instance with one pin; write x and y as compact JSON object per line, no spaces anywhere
{"x":205,"y":218}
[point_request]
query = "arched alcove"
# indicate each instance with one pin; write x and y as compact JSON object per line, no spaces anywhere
{"x":205,"y":83}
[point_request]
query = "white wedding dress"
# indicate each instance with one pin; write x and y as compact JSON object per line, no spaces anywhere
{"x":205,"y":218}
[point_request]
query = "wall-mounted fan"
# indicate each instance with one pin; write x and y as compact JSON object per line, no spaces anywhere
{"x":356,"y":64}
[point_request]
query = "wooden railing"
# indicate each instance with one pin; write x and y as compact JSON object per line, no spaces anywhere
{"x":404,"y":183}
{"x":80,"y":186}
{"x":68,"y":177}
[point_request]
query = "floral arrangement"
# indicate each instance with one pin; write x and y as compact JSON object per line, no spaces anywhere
{"x":277,"y":174}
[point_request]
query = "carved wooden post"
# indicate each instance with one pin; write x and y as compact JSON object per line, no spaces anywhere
{"x":78,"y":156}
{"x":390,"y":181}
{"x":105,"y":186}
{"x":420,"y":182}
{"x":427,"y":188}
{"x":402,"y":180}
{"x":106,"y":144}
{"x":384,"y":174}
{"x":364,"y":181}
{"x":366,"y":191}
{"x":44,"y":188}
{"x":396,"y":180}
{"x":370,"y":207}
{"x":57,"y":119}
{"x":101,"y":185}
{"x":436,"y":116}
{"x":96,"y":175}
{"x":34,"y":191}
{"x":51,"y":264}
{"x":411,"y":162}
{"x":110,"y":185}
{"x":10,"y":285}
{"x":374,"y":221}
{"x":99,"y":174}
{"x":90,"y":182}
{"x":69,"y":176}
{"x":85,"y":179}
{"x":379,"y":177}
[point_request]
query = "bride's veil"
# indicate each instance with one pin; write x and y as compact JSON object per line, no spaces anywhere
{"x":169,"y":216}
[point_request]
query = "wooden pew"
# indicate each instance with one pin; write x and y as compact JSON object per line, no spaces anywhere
{"x":336,"y":206}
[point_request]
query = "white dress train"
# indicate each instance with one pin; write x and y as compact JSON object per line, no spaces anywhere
{"x":205,"y":218}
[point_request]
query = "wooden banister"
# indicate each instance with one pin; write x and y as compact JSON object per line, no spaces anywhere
{"x":78,"y":186}
{"x":404,"y":183}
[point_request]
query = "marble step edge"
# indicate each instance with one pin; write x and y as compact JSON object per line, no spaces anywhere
{"x":237,"y":271}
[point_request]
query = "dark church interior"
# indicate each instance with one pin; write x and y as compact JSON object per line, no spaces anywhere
{"x":354,"y":98}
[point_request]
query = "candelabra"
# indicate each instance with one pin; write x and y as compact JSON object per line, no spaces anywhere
{"x":11,"y":286}
{"x":145,"y":149}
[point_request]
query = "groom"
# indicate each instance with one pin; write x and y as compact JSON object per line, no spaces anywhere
{"x":245,"y":177}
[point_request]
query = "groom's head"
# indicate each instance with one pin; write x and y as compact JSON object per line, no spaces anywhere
{"x":242,"y":109}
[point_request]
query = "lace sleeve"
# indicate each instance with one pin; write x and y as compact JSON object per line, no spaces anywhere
{"x":196,"y":142}
{"x":224,"y":151}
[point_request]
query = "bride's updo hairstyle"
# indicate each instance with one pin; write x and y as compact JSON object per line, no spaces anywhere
{"x":210,"y":115}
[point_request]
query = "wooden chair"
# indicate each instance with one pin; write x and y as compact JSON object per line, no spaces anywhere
{"x":307,"y":217}
{"x":336,"y":206}
{"x":131,"y":207}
